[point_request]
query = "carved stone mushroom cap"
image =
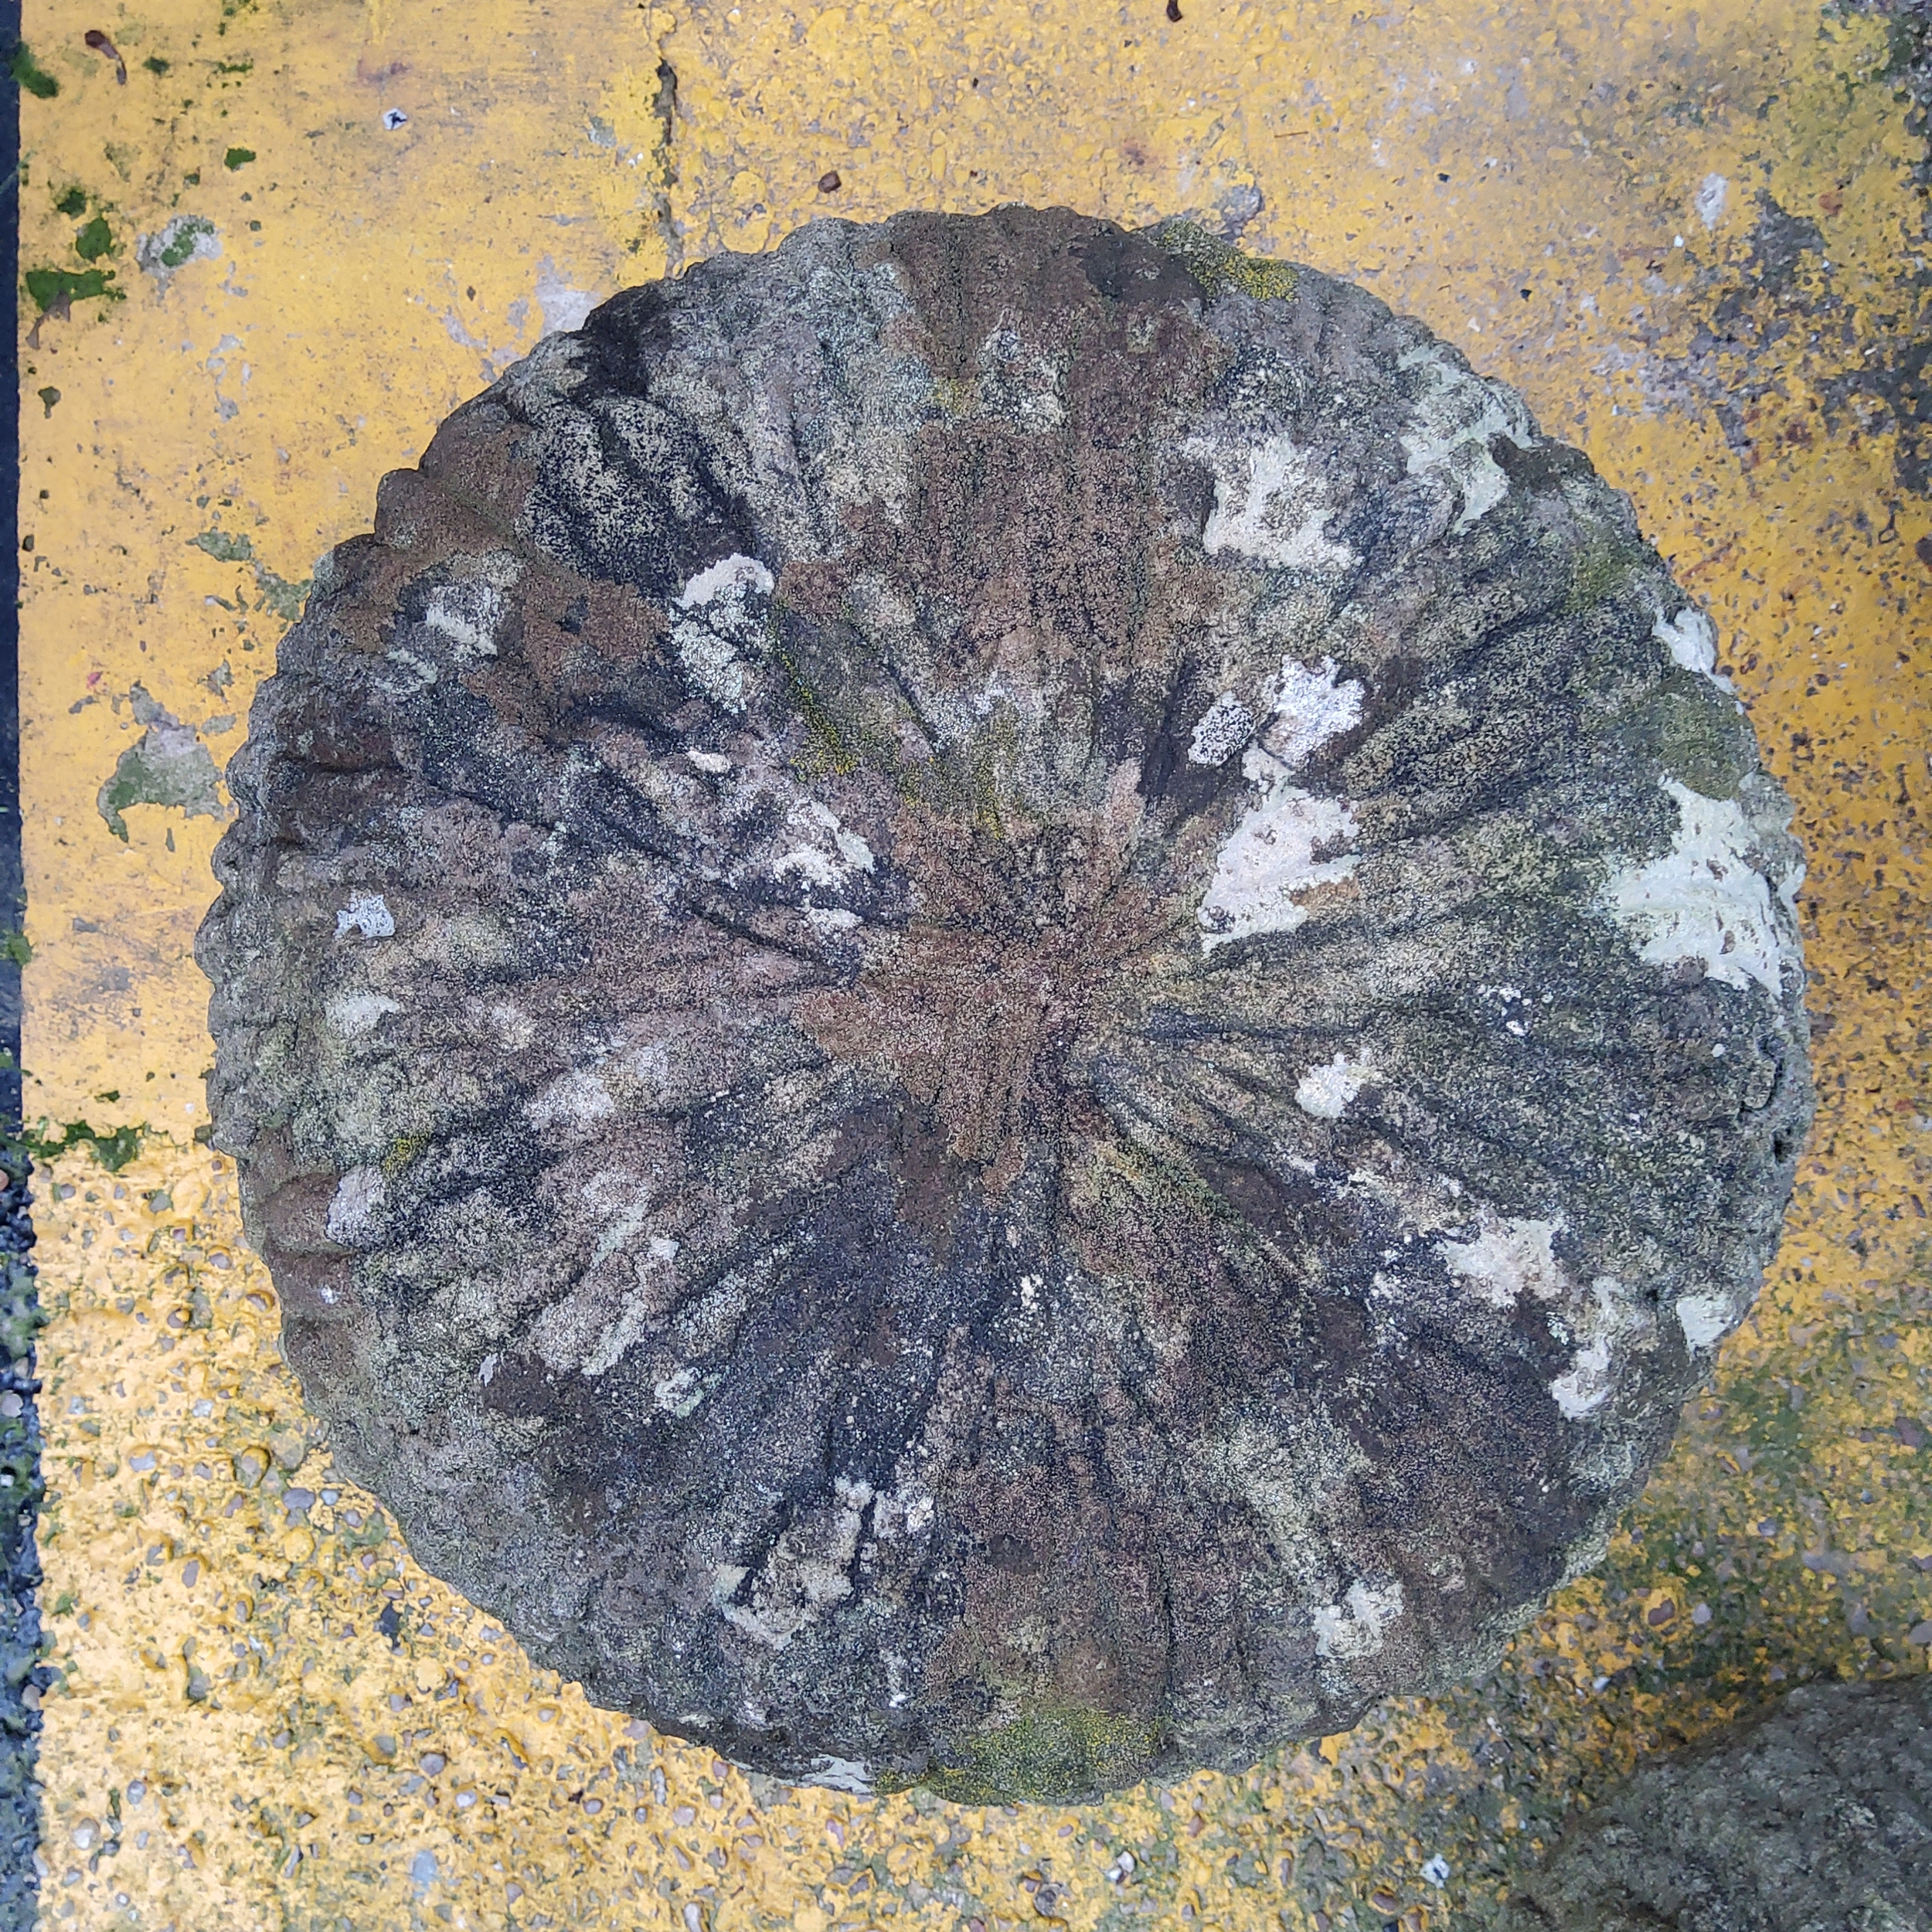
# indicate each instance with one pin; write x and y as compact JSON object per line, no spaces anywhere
{"x":1007,"y":1004}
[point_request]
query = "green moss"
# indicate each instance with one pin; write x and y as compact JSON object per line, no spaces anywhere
{"x":20,"y":1313}
{"x":1177,"y":1184}
{"x":955,"y":394}
{"x":112,"y":1148}
{"x":229,"y":547}
{"x":370,"y":1535}
{"x":57,"y":289}
{"x":1699,"y":740}
{"x":95,"y":240}
{"x":1216,"y":264}
{"x":1055,"y":1754}
{"x":33,"y":78}
{"x":1687,"y":727}
{"x":284,"y":597}
{"x":155,"y":65}
{"x":1601,"y":565}
{"x":960,"y":781}
{"x":1266,"y":281}
{"x":237,"y":157}
{"x":71,"y":201}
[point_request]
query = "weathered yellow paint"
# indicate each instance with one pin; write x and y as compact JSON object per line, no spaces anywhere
{"x":1517,"y":175}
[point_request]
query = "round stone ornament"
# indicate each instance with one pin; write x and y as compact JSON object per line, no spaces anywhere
{"x":1006,"y":1004}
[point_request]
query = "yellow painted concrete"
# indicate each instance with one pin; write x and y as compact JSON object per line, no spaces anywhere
{"x":1520,"y":176}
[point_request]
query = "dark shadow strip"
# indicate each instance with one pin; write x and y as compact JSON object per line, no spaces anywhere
{"x":23,"y":1677}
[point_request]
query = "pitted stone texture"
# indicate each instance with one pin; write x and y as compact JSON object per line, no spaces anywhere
{"x":1814,"y":1816}
{"x":1006,"y":1004}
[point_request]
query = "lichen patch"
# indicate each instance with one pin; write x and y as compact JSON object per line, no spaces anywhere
{"x":807,"y":1573}
{"x":357,"y":1202}
{"x":578,"y":1099}
{"x":1507,"y":1256}
{"x":1704,"y":900}
{"x":718,"y":614}
{"x":1020,"y":383}
{"x":730,"y":577}
{"x":469,"y":614}
{"x":1311,"y":706}
{"x":829,"y":852}
{"x":1356,"y":1626}
{"x":1287,"y":844}
{"x":1607,"y":1318}
{"x":850,"y":1774}
{"x":1705,"y":1319}
{"x":1456,"y":415}
{"x":356,"y":1015}
{"x":1323,"y":1091}
{"x":367,"y":913}
{"x":1691,"y":639}
{"x":1221,"y":730}
{"x":1271,"y":503}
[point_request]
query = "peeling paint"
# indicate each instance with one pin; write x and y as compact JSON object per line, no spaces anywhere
{"x":1762,"y":455}
{"x":168,"y":766}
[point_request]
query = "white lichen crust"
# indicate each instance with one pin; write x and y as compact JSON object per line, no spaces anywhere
{"x":1006,"y":1004}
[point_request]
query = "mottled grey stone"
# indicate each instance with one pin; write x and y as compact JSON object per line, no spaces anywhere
{"x":1814,"y":1816}
{"x":1006,"y":1004}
